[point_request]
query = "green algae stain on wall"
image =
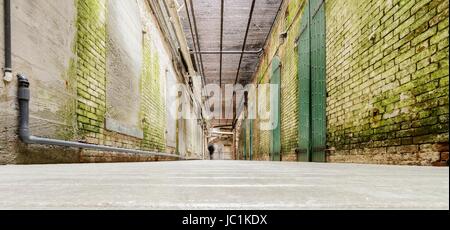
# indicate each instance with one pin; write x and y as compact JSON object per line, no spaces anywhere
{"x":289,"y":98}
{"x":159,"y":105}
{"x":144,"y":88}
{"x":68,"y":110}
{"x":91,"y":67}
{"x":91,"y":77}
{"x":386,"y":84}
{"x":152,"y":103}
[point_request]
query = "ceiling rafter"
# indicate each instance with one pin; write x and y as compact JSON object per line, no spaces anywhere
{"x":245,"y":40}
{"x":220,"y":29}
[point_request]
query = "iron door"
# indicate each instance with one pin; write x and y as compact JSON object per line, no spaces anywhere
{"x":318,"y":88}
{"x":304,"y":86}
{"x":312,"y":83}
{"x":250,"y":143}
{"x":244,"y":138}
{"x":275,"y":96}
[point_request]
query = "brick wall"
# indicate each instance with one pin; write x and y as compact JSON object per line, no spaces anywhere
{"x":387,"y":81}
{"x":289,"y":79}
{"x":153,"y":105}
{"x":151,"y":99}
{"x":387,"y":77}
{"x":288,"y":21}
{"x":91,"y":69}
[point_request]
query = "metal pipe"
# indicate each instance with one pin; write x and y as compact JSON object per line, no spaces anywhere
{"x":221,"y":43}
{"x":7,"y":27}
{"x":197,"y":56}
{"x":232,"y":52}
{"x":198,"y":45}
{"x":156,"y":8}
{"x":166,"y":15}
{"x":221,"y":49}
{"x":245,"y":40}
{"x":197,"y":62}
{"x":27,"y":138}
{"x":197,"y":39}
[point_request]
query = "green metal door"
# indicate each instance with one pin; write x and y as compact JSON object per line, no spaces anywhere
{"x":250,"y":151}
{"x":244,"y":138}
{"x":275,"y":96}
{"x":312,"y":88}
{"x":304,"y":47}
{"x":318,"y":74}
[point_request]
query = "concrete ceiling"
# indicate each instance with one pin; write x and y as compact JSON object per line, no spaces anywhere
{"x":236,"y":14}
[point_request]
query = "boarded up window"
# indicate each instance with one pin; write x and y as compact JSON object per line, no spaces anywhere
{"x":171,"y":109}
{"x":124,"y":64}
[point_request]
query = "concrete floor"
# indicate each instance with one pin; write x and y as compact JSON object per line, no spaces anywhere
{"x":223,"y":185}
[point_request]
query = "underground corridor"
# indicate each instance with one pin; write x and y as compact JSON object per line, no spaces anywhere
{"x":224,"y":104}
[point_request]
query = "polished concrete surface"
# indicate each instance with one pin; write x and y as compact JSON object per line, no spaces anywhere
{"x":223,"y":185}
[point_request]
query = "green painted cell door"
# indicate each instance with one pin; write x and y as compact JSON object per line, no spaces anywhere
{"x":304,"y":48}
{"x":244,"y":138}
{"x":250,"y":143}
{"x":312,"y":83}
{"x":318,"y":75}
{"x":275,"y":96}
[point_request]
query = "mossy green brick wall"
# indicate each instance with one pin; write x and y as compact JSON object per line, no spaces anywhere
{"x":387,"y":81}
{"x":289,"y":82}
{"x":153,"y":105}
{"x":263,"y":142}
{"x":91,"y":68}
{"x":91,"y":76}
{"x":289,"y":22}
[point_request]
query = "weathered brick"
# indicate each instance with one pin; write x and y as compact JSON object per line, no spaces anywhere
{"x":444,"y":156}
{"x":422,"y":36}
{"x":417,"y":58}
{"x":441,"y":35}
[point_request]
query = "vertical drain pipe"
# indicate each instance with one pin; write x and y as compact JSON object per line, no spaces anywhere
{"x":7,"y":19}
{"x":23,"y":96}
{"x":27,"y":138}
